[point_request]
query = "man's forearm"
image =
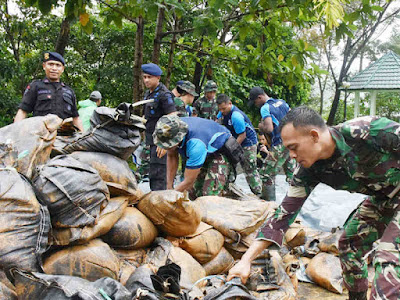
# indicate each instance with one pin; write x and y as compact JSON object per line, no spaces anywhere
{"x":241,"y":138}
{"x":21,"y":114}
{"x":255,"y":249}
{"x":185,"y":185}
{"x":172,"y":168}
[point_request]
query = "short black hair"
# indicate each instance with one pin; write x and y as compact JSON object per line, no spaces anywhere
{"x":181,"y":91}
{"x":302,"y":116}
{"x":222,"y":98}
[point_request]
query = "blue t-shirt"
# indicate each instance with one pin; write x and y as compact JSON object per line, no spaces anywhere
{"x":237,"y":122}
{"x":276,"y":109}
{"x":203,"y":137}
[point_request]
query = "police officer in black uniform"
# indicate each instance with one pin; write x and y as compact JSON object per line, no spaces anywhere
{"x":163,"y":105}
{"x":50,"y":95}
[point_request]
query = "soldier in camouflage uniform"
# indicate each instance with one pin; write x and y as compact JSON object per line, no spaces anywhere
{"x":360,"y":155}
{"x":143,"y":170}
{"x":200,"y":142}
{"x":206,"y":107}
{"x":242,"y":129}
{"x":187,"y":92}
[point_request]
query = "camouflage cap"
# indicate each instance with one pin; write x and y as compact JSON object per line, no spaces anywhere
{"x":188,"y":87}
{"x":169,"y":132}
{"x":210,"y":86}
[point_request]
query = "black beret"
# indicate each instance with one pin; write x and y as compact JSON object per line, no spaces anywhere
{"x":151,"y":69}
{"x":53,"y":56}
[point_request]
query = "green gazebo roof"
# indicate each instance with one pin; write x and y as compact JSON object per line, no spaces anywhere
{"x":384,"y":74}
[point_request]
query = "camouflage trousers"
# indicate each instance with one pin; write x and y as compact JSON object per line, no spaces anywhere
{"x":278,"y":159}
{"x":214,"y":177}
{"x":144,"y":167}
{"x":373,"y":219}
{"x":249,"y":166}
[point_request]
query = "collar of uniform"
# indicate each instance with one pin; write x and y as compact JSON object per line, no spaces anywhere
{"x":341,"y":144}
{"x":46,"y":80}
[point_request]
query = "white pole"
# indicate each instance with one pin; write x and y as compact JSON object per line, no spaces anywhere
{"x":356,"y":104}
{"x":372,"y":110}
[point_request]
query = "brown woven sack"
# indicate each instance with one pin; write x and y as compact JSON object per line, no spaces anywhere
{"x":295,"y":235}
{"x":125,"y":271}
{"x":24,"y":225}
{"x":325,"y":270}
{"x":234,"y":218}
{"x":28,"y":143}
{"x":134,"y":257}
{"x":114,"y":171}
{"x":171,"y":211}
{"x":90,"y":261}
{"x":220,"y":264}
{"x":132,"y":231}
{"x":203,"y":245}
{"x":74,"y":192}
{"x":81,"y":235}
{"x":165,"y":251}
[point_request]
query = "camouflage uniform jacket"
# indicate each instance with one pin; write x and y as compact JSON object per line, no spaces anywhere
{"x":206,"y":109}
{"x":366,"y":160}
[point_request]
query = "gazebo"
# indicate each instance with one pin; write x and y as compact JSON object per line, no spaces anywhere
{"x":382,"y":75}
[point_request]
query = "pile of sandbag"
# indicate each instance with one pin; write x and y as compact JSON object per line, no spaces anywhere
{"x":76,"y":225}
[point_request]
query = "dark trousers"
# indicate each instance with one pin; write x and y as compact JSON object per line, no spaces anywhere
{"x":158,"y":170}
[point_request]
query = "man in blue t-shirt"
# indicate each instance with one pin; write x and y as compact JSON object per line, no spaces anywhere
{"x":200,"y":142}
{"x":241,"y":128}
{"x":272,"y":111}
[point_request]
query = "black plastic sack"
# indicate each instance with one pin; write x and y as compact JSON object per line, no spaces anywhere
{"x":25,"y":223}
{"x":74,"y":192}
{"x":232,"y":290}
{"x":114,"y":131}
{"x":31,"y":286}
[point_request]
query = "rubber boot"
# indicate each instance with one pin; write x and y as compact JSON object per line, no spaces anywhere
{"x":357,"y":295}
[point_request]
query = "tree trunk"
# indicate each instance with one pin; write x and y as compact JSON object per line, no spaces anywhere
{"x":335,"y":104}
{"x":137,"y":83}
{"x":63,"y":37}
{"x":158,"y":36}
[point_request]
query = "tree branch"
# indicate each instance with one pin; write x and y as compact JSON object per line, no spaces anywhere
{"x":129,"y":18}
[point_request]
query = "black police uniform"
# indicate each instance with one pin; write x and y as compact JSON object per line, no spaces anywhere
{"x":43,"y":97}
{"x":163,"y":104}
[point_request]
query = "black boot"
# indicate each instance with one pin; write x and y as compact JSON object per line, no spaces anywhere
{"x":357,"y":295}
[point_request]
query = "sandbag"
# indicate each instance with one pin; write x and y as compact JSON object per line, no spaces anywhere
{"x":220,"y":264}
{"x":7,"y":289}
{"x":90,"y":261}
{"x":30,"y":286}
{"x":164,"y":250}
{"x":24,"y":225}
{"x":28,"y":143}
{"x":330,"y":244}
{"x":74,"y":192}
{"x":114,"y":171}
{"x":171,"y":211}
{"x":295,"y":236}
{"x":112,"y":130}
{"x":268,"y":276}
{"x":234,"y":218}
{"x":80,"y":235}
{"x":134,"y":257}
{"x":132,"y":231}
{"x":203,"y":245}
{"x":325,"y":270}
{"x":125,"y":271}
